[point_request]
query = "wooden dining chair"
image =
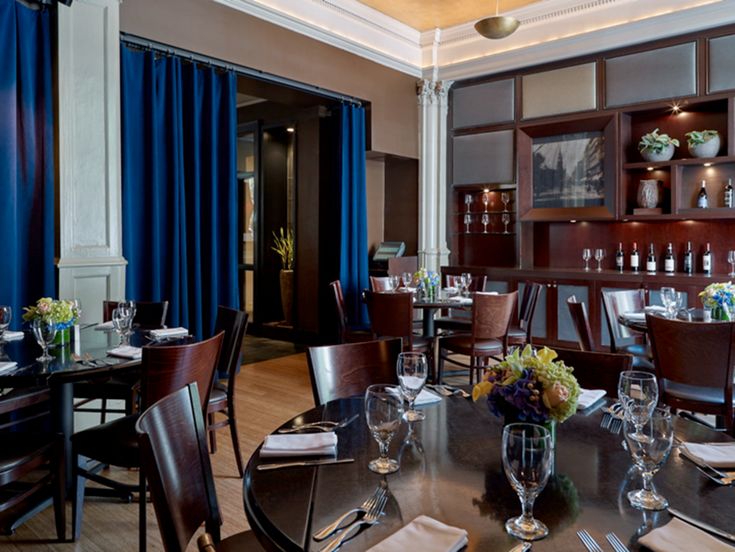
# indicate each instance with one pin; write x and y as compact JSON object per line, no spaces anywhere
{"x":25,"y":451}
{"x":339,"y":371}
{"x":391,"y":315}
{"x":596,"y":370}
{"x":345,"y":334}
{"x":149,"y":315}
{"x":173,"y":449}
{"x":519,"y":333}
{"x":694,"y":364}
{"x":380,"y":283}
{"x":491,"y":316}
{"x":234,"y":324}
{"x":459,"y":320}
{"x":164,"y":369}
{"x":615,"y":303}
{"x":581,"y":322}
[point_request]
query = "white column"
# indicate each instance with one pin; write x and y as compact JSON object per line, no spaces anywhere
{"x":91,"y":265}
{"x":432,"y":97}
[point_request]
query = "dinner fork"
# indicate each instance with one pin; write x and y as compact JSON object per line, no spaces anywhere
{"x":589,"y":543}
{"x":333,"y":527}
{"x":616,"y":543}
{"x":325,"y":425}
{"x":370,"y":518}
{"x":615,"y":426}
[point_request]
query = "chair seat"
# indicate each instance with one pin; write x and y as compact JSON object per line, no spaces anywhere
{"x":683,"y":391}
{"x":463,"y":344}
{"x":515,"y":333}
{"x":112,"y":443}
{"x":19,"y":448}
{"x":217,"y":396}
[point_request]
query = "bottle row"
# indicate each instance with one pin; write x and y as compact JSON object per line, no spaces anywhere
{"x":651,"y":266}
{"x":703,"y":198}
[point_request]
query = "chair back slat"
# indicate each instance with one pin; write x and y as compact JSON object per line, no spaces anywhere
{"x":234,"y":324}
{"x":531,"y":292}
{"x":339,"y":371}
{"x":617,"y":302}
{"x":581,"y":322}
{"x":391,"y":315}
{"x":492,"y":314}
{"x":339,"y":309}
{"x":380,"y":283}
{"x":596,"y":370}
{"x":149,"y":315}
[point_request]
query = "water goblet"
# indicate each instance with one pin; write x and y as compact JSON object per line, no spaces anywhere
{"x":505,"y":198}
{"x":649,"y":454}
{"x":44,"y":332}
{"x":638,"y":393}
{"x":383,"y":411}
{"x":679,"y":302}
{"x":468,"y":201}
{"x":407,"y":278}
{"x":599,"y":255}
{"x":412,"y":372}
{"x":505,"y":218}
{"x":527,"y":460}
{"x":486,"y":199}
{"x":485,"y":221}
{"x":731,"y":260}
{"x":668,"y":300}
{"x":394,"y":281}
{"x":467,"y":223}
{"x":76,"y":305}
{"x":466,"y":280}
{"x":121,"y":322}
{"x":586,"y":256}
{"x":6,"y":315}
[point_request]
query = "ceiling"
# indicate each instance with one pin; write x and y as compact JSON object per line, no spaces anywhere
{"x":425,"y":15}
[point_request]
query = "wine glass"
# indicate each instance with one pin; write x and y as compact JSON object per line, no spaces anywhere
{"x":668,"y":300}
{"x":466,"y":278}
{"x":467,"y":222}
{"x":407,"y":278}
{"x":76,"y":305}
{"x":44,"y":332}
{"x":121,"y":322}
{"x":412,"y":371}
{"x":485,"y":221}
{"x":679,"y":302}
{"x":468,"y":201}
{"x":731,"y":260}
{"x":505,"y":198}
{"x":486,"y":199}
{"x":527,"y":460}
{"x":638,"y":393}
{"x":505,"y":217}
{"x":586,"y":256}
{"x":6,"y":315}
{"x":599,"y":255}
{"x":649,"y":454}
{"x":394,"y":281}
{"x":383,"y":411}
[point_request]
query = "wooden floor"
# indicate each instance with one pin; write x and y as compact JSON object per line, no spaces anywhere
{"x":268,"y":394}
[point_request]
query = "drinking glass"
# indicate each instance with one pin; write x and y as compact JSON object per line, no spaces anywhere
{"x":122,"y":322}
{"x":486,"y":199}
{"x":412,"y":371}
{"x":468,"y":201}
{"x":505,"y":218}
{"x":638,"y":393}
{"x":527,"y":458}
{"x":731,"y":260}
{"x":407,"y":278}
{"x":44,"y":332}
{"x":467,"y":222}
{"x":383,"y":411}
{"x":599,"y":255}
{"x":668,"y":300}
{"x":485,"y":221}
{"x":586,"y":256}
{"x":649,"y":454}
{"x":505,"y":198}
{"x":679,"y":302}
{"x":466,"y":279}
{"x":394,"y":282}
{"x":6,"y":315}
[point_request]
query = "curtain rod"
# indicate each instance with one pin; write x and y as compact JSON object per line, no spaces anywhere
{"x":146,"y":44}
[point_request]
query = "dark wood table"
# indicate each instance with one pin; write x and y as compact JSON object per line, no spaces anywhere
{"x":690,"y":315}
{"x":430,"y":308}
{"x":453,"y":472}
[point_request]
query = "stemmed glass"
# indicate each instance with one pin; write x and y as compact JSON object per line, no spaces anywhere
{"x":394,"y":281}
{"x":383,"y":411}
{"x":586,"y":256}
{"x":649,"y":454}
{"x":505,"y":198}
{"x":407,"y":278}
{"x":44,"y":332}
{"x":731,"y":260}
{"x":466,"y":280}
{"x":638,"y":393}
{"x":467,"y":222}
{"x":486,"y":200}
{"x":505,"y":218}
{"x":6,"y":315}
{"x":412,"y":371}
{"x":668,"y":300}
{"x":122,"y":320}
{"x":599,"y":255}
{"x":527,"y":460}
{"x":468,"y":201}
{"x":485,"y":221}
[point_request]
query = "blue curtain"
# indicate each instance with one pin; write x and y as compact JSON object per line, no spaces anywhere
{"x":179,"y":186}
{"x":353,"y":259}
{"x":26,"y":158}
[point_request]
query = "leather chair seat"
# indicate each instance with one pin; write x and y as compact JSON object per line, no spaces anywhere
{"x":515,"y":332}
{"x":462,"y":344}
{"x":707,"y":395}
{"x":20,"y":448}
{"x":217,"y":396}
{"x":112,"y":443}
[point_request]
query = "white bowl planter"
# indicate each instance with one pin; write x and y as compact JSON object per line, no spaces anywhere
{"x":709,"y":149}
{"x":665,"y":154}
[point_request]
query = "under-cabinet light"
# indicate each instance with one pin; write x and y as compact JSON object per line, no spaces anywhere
{"x":708,"y":164}
{"x":649,"y":168}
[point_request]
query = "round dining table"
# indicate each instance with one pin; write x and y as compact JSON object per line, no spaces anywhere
{"x":639,"y":324}
{"x":451,"y":470}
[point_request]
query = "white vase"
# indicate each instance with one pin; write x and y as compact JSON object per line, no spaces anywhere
{"x":709,"y":149}
{"x":665,"y":154}
{"x":648,"y":194}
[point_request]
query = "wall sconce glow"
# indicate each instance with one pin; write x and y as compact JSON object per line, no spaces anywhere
{"x":573,"y":221}
{"x":486,"y":190}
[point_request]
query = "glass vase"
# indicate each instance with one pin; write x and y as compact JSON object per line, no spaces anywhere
{"x":63,"y":338}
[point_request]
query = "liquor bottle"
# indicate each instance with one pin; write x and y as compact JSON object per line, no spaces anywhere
{"x":708,"y":261}
{"x":651,"y":260}
{"x":635,"y":260}
{"x":728,"y":193}
{"x":702,"y":202}
{"x":689,"y":259}
{"x":620,"y":257}
{"x":669,"y":260}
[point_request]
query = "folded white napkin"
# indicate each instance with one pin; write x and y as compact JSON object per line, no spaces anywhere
{"x":425,"y":534}
{"x":303,"y":444}
{"x":169,"y":332}
{"x":461,"y":300}
{"x":7,"y":366}
{"x":426,"y":397}
{"x":104,"y":326}
{"x":679,"y":536}
{"x":637,"y":316}
{"x":126,"y":351}
{"x":655,"y":308}
{"x":717,"y":455}
{"x":588,"y":397}
{"x":12,"y":336}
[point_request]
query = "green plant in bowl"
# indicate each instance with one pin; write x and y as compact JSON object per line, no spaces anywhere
{"x":703,"y":143}
{"x":657,"y":147}
{"x":697,"y":137}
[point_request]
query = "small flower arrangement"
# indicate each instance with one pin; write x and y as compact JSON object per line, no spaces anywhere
{"x":62,"y":313}
{"x":531,"y":386}
{"x":426,"y":279}
{"x":720,"y":298}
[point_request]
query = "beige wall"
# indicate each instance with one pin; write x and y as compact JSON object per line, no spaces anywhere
{"x":375,"y":192}
{"x":211,"y":29}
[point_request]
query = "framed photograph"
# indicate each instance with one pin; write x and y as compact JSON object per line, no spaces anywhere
{"x":567,"y":170}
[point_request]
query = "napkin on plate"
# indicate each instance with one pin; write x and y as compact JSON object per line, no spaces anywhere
{"x":303,"y":444}
{"x":126,"y":351}
{"x":426,"y":397}
{"x":12,"y":336}
{"x":679,"y":536}
{"x":588,"y":397}
{"x":637,"y":316}
{"x":7,"y":366}
{"x":717,"y":455}
{"x":655,"y":308}
{"x":105,"y":326}
{"x":165,"y":333}
{"x":461,"y":300}
{"x":425,"y":534}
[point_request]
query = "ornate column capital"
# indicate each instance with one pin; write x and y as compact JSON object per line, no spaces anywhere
{"x":425,"y":91}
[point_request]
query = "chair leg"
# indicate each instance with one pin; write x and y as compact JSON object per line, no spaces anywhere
{"x":103,"y":411}
{"x":212,"y":433}
{"x":440,"y":368}
{"x":78,"y":504}
{"x":142,"y":520}
{"x":235,"y":440}
{"x":59,"y":484}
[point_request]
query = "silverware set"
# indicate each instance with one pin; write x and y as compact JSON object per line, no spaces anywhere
{"x":591,"y":544}
{"x":612,"y":418}
{"x":324,"y":425}
{"x":449,"y":390}
{"x":88,"y":360}
{"x":371,"y":511}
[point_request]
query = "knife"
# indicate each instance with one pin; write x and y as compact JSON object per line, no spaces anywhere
{"x":702,"y":525}
{"x":327,"y":461}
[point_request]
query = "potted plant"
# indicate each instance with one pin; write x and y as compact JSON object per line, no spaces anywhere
{"x":657,"y":147}
{"x":703,"y":143}
{"x":283,"y":244}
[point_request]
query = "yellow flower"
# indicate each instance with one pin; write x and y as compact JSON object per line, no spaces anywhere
{"x":546,"y":355}
{"x":482,"y":389}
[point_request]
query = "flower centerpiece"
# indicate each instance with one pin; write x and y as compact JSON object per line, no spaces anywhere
{"x":719,"y":299}
{"x":427,"y":282}
{"x":63,"y":314}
